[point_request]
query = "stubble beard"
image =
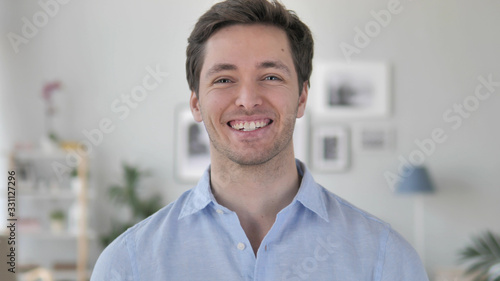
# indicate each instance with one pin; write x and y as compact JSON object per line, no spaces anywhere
{"x":254,"y":159}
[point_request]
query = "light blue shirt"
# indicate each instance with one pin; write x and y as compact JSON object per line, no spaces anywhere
{"x":319,"y":237}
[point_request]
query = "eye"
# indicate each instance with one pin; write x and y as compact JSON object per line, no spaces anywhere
{"x":223,"y":81}
{"x":272,"y":78}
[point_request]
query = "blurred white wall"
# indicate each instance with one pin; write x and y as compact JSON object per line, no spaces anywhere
{"x":436,"y":49}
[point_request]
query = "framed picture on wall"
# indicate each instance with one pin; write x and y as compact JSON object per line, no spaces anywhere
{"x":330,"y":149}
{"x":374,"y":137}
{"x":301,"y":138}
{"x":351,"y":90}
{"x":192,"y":146}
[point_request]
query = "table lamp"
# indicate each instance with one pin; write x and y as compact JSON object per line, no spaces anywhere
{"x":417,"y":183}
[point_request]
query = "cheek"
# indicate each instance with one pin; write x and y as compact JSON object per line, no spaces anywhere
{"x":212,"y":112}
{"x":286,"y":102}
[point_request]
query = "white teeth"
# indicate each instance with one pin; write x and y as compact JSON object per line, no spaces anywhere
{"x":249,"y":126}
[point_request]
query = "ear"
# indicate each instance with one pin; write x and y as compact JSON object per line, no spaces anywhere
{"x":303,"y":100}
{"x":194,"y":103}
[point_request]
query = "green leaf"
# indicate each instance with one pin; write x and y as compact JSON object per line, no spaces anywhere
{"x":482,"y":257}
{"x":127,"y":194}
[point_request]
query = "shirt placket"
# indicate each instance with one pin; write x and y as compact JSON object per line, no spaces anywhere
{"x":263,"y":265}
{"x":241,"y":245}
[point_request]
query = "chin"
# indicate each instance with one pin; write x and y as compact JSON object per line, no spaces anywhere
{"x":254,"y":161}
{"x":254,"y":158}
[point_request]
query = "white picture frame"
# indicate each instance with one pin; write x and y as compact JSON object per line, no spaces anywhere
{"x":351,"y":90}
{"x":374,"y":137}
{"x":331,"y":148}
{"x":301,"y":139}
{"x":192,"y":147}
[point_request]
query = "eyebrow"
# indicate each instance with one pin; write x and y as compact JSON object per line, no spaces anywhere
{"x":220,"y":67}
{"x":274,"y":64}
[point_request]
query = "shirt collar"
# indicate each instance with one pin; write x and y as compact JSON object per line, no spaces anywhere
{"x":199,"y":197}
{"x":310,"y":194}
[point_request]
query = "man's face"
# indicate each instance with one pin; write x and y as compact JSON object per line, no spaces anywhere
{"x":249,"y":94}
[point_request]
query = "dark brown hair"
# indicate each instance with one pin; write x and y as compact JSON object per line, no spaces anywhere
{"x":232,"y":12}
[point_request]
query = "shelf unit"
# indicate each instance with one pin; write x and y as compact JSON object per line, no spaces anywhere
{"x":39,"y":192}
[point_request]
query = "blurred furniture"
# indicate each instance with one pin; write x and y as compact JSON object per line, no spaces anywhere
{"x":21,"y":274}
{"x":417,"y":182}
{"x":36,"y":274}
{"x":45,"y":186}
{"x":451,"y":274}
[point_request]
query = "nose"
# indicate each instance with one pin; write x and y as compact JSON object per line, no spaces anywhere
{"x":248,"y":96}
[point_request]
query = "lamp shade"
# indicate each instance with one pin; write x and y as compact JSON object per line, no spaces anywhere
{"x":417,"y":182}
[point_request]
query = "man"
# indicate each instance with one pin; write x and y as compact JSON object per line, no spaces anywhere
{"x":256,"y":214}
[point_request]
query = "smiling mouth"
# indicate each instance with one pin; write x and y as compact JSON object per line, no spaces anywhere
{"x":248,"y":126}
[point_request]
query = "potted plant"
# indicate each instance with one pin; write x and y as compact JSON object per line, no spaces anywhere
{"x":75,"y":181}
{"x":57,"y":221}
{"x":49,"y":141}
{"x":483,"y":257}
{"x":127,"y":197}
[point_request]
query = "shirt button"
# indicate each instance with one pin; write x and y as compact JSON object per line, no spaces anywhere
{"x":241,"y":246}
{"x":219,"y":211}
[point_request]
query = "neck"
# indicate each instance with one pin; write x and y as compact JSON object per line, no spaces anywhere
{"x":262,"y":189}
{"x":256,"y":193}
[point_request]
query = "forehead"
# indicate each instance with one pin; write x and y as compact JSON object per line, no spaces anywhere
{"x":247,"y":45}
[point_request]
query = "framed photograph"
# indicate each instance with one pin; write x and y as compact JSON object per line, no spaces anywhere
{"x":330,"y":149}
{"x":300,"y":139}
{"x":26,"y":173}
{"x":351,"y":90}
{"x":374,"y":137}
{"x":192,"y":146}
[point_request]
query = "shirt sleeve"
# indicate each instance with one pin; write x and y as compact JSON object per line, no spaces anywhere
{"x":114,"y":263}
{"x":401,"y":262}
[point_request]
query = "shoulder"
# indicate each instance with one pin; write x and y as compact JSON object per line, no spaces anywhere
{"x":114,"y":263}
{"x":119,"y":259}
{"x":395,"y":258}
{"x":336,"y":211}
{"x":400,"y":261}
{"x":361,"y":227}
{"x":155,"y":226}
{"x":340,"y":210}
